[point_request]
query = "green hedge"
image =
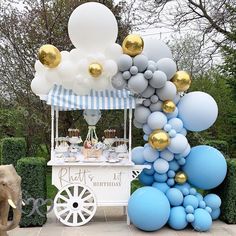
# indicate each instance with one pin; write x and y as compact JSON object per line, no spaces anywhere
{"x":33,"y":173}
{"x":227,"y":192}
{"x":12,"y":149}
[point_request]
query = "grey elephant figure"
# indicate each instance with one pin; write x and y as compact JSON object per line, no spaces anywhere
{"x":10,"y":195}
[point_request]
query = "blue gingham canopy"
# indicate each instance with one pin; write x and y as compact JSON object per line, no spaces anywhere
{"x":65,"y":99}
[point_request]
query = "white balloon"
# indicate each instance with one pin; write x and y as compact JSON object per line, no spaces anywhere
{"x":110,"y":67}
{"x":155,"y":49}
{"x":168,"y":92}
{"x":82,"y":67}
{"x":79,"y":87}
{"x":114,"y":51}
{"x":178,"y":144}
{"x":76,"y":55}
{"x":92,"y":26}
{"x":66,"y":70}
{"x":67,"y":84}
{"x":52,"y":76}
{"x":39,"y":67}
{"x":65,"y":55}
{"x":40,"y":86}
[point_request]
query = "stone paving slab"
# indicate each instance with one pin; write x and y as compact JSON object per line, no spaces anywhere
{"x":112,"y":222}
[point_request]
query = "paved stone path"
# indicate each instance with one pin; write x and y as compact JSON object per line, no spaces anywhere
{"x":112,"y":222}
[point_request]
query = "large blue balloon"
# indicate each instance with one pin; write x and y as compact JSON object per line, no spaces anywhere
{"x":148,"y":209}
{"x":202,"y":220}
{"x":205,"y":167}
{"x":197,"y":110}
{"x":177,"y":218}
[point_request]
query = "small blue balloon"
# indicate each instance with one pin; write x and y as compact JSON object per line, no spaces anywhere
{"x":202,"y":220}
{"x":149,"y":171}
{"x":161,"y":186}
{"x":213,"y":201}
{"x":202,"y":204}
{"x":199,"y":197}
{"x":181,"y":161}
{"x":208,"y":209}
{"x":177,"y":219}
{"x":126,"y":75}
{"x":146,"y":179}
{"x":176,"y":124}
{"x":208,"y":161}
{"x":190,"y":218}
{"x":133,"y":70}
{"x":171,"y":174}
{"x":167,"y":127}
{"x":175,"y":196}
{"x":161,"y":166}
{"x":215,"y":214}
{"x":167,"y":155}
{"x":189,"y":209}
{"x":174,"y":165}
{"x":171,"y":182}
{"x":137,"y":155}
{"x":172,"y":133}
{"x":148,"y":209}
{"x":182,"y":186}
{"x":185,"y":191}
{"x":150,"y":154}
{"x":190,"y":200}
{"x":160,"y":177}
{"x":192,"y":191}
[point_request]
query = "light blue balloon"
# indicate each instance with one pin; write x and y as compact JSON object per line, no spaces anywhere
{"x":173,"y":114}
{"x":185,"y":191}
{"x":192,"y":191}
{"x":208,"y":209}
{"x":174,"y":165}
{"x":148,"y":92}
{"x":213,"y":201}
{"x":172,"y":133}
{"x":168,"y":66}
{"x":215,"y":214}
{"x":161,"y":166}
{"x":178,"y":144}
{"x":141,"y":114}
{"x":141,"y":62}
{"x":202,"y":220}
{"x":190,"y":200}
{"x":175,"y":196}
{"x":137,"y":83}
{"x":156,"y":120}
{"x":171,"y":182}
{"x":150,"y":154}
{"x":202,"y":204}
{"x":145,"y":179}
{"x":184,"y":153}
{"x":208,"y":161}
{"x":190,"y":218}
{"x":146,"y":129}
{"x":167,"y":127}
{"x":124,"y":62}
{"x":158,"y":79}
{"x":171,"y":174}
{"x":176,"y":124}
{"x":189,"y":209}
{"x":148,"y":209}
{"x":137,"y":155}
{"x":161,"y":186}
{"x":183,"y":131}
{"x":198,"y":111}
{"x":149,"y":171}
{"x":181,"y":161}
{"x":160,"y":177}
{"x":199,"y":197}
{"x":182,"y":186}
{"x":177,"y":219}
{"x":167,"y":155}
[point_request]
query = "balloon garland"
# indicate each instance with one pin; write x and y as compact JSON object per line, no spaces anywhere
{"x":165,"y":113}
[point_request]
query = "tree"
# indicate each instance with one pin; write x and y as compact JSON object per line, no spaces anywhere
{"x":22,"y":31}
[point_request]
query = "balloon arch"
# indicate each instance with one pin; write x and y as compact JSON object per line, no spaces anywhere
{"x":165,"y":112}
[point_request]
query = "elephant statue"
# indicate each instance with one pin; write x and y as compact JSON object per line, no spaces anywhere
{"x":10,"y":195}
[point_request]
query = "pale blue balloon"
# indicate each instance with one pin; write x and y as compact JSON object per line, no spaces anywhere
{"x":178,"y":144}
{"x":171,"y":182}
{"x":161,"y":186}
{"x":181,"y":161}
{"x":158,"y":79}
{"x":176,"y":99}
{"x":167,"y":92}
{"x":199,"y":197}
{"x":168,"y":66}
{"x":190,"y":218}
{"x":161,"y":166}
{"x":150,"y":154}
{"x":184,"y":153}
{"x":137,"y":83}
{"x":167,"y":155}
{"x":145,"y":179}
{"x":210,"y":163}
{"x":124,"y":62}
{"x":182,"y":186}
{"x":156,"y":106}
{"x":137,"y":155}
{"x":202,"y":220}
{"x":145,"y":137}
{"x":172,"y":114}
{"x":141,"y":62}
{"x":175,"y":196}
{"x":183,"y":131}
{"x":160,"y":177}
{"x":174,"y":165}
{"x":171,"y":174}
{"x":213,"y":201}
{"x":189,"y":209}
{"x":176,"y":124}
{"x":167,"y":127}
{"x":215,"y":214}
{"x":156,"y":120}
{"x":172,"y":133}
{"x":177,"y":219}
{"x":148,"y":209}
{"x":141,"y":114}
{"x":198,"y":111}
{"x":208,"y":209}
{"x":146,"y":129}
{"x":191,"y":200}
{"x":202,"y":204}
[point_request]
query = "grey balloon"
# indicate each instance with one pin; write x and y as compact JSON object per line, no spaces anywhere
{"x":141,"y":114}
{"x":152,"y":68}
{"x":156,"y":106}
{"x":168,"y":92}
{"x":124,"y":62}
{"x":168,"y":66}
{"x":138,"y":125}
{"x":158,"y":80}
{"x":118,"y":81}
{"x":154,"y":98}
{"x":126,"y":75}
{"x":148,"y":92}
{"x":152,"y":63}
{"x":148,"y":74}
{"x":134,"y":70}
{"x":147,"y":102}
{"x":141,"y":62}
{"x":137,"y":83}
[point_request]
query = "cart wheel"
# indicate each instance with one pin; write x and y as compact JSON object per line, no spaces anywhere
{"x":75,"y":205}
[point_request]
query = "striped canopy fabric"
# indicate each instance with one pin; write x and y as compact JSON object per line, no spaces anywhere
{"x":65,"y":99}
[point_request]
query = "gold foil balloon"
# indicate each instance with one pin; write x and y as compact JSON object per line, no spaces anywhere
{"x":181,"y":80}
{"x":49,"y":56}
{"x":168,"y":106}
{"x":95,"y":70}
{"x":181,"y":177}
{"x":133,"y":45}
{"x":159,"y":139}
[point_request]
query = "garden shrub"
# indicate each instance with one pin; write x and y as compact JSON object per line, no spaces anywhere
{"x":33,"y":173}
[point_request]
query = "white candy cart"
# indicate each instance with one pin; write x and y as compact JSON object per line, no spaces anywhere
{"x":84,"y":186}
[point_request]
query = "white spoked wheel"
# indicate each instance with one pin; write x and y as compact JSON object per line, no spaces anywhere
{"x":75,"y":205}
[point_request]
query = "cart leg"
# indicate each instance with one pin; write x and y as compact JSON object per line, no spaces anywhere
{"x":127,"y":216}
{"x":124,"y":210}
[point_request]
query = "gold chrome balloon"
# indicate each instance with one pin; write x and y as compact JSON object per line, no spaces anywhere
{"x":95,"y":70}
{"x":168,"y":106}
{"x":159,"y":139}
{"x":181,"y":177}
{"x":133,"y":45}
{"x":181,"y":80}
{"x":49,"y":56}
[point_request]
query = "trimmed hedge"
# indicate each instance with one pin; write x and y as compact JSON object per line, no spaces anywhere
{"x":33,"y":173}
{"x":227,"y":192}
{"x":12,"y":149}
